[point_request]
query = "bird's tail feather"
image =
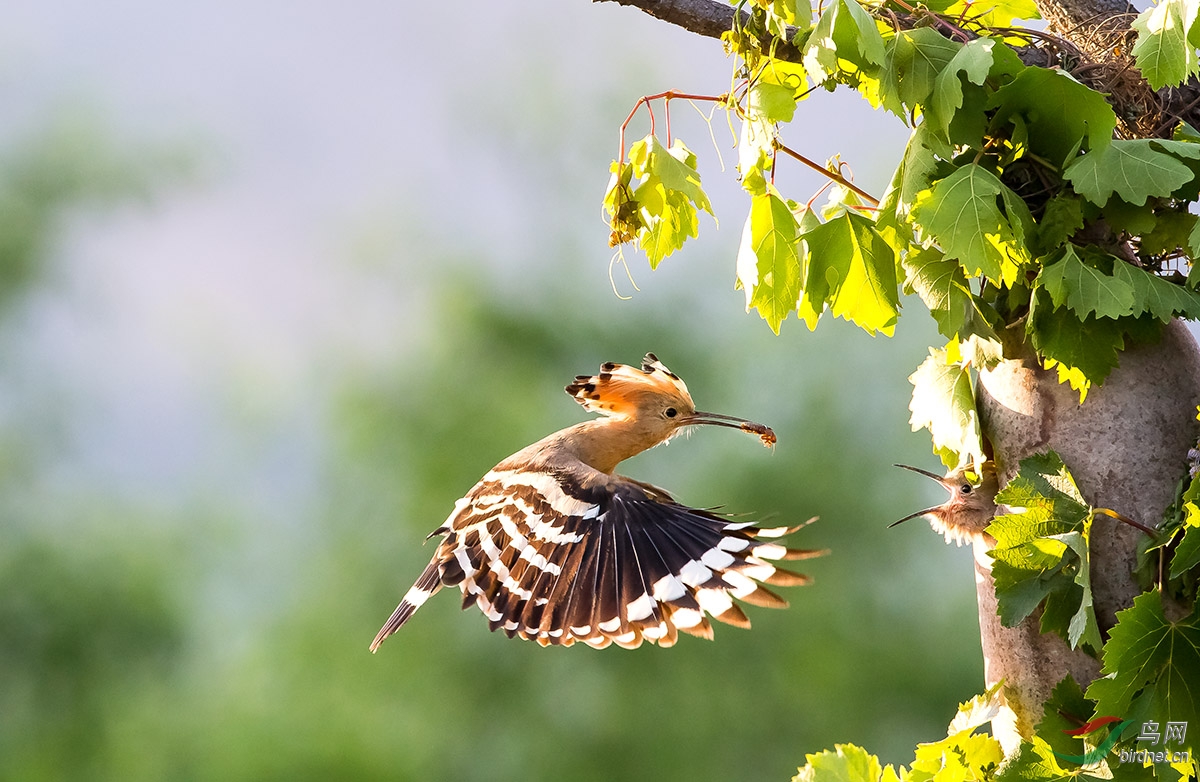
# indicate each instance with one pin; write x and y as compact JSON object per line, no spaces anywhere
{"x":427,"y":585}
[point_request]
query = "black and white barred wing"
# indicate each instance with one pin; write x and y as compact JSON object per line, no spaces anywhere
{"x":548,"y":561}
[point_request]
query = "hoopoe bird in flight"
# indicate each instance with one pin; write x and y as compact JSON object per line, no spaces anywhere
{"x":553,"y":546}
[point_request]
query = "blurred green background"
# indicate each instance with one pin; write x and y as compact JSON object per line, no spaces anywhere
{"x":279,"y":283}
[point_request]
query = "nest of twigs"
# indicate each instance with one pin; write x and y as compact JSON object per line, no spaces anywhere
{"x":1100,"y":55}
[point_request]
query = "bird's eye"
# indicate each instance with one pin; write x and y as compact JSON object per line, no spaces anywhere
{"x":671,"y":412}
{"x":966,"y":488}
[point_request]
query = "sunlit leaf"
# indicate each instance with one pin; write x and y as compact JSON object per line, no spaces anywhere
{"x":851,"y":269}
{"x":996,"y":13}
{"x":943,"y":401}
{"x":1163,"y":51}
{"x":661,"y":211}
{"x":914,"y":60}
{"x":844,"y":763}
{"x":1034,"y":762}
{"x":768,"y":263}
{"x":1082,"y":350}
{"x":963,"y":214}
{"x":845,"y":32}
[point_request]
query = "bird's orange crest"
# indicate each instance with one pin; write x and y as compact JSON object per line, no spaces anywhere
{"x":619,"y":388}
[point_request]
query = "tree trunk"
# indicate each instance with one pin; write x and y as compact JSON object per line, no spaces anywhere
{"x":1127,"y":448}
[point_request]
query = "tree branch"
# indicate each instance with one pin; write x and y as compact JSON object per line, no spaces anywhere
{"x":1095,"y":31}
{"x":703,"y":17}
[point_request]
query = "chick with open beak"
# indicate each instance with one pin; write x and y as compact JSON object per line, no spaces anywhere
{"x":966,"y":514}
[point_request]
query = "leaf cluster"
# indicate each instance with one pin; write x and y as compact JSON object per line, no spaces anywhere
{"x":653,"y":198}
{"x":962,"y":756}
{"x":1014,"y":214}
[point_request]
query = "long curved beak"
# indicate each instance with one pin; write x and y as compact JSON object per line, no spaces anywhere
{"x":913,"y":516}
{"x":716,"y":419}
{"x":927,"y":474}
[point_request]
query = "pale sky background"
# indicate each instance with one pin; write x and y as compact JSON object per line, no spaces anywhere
{"x":333,"y":141}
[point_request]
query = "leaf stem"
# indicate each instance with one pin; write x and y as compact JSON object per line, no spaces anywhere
{"x":835,"y":176}
{"x":666,"y":97}
{"x":954,"y":30}
{"x":1126,"y":520}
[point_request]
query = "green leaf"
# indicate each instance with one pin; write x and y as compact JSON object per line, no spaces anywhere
{"x":973,"y":61}
{"x":1134,"y":169}
{"x":963,"y":214}
{"x":1161,"y":298}
{"x":1085,"y":288}
{"x":1151,"y":661}
{"x":914,"y":60}
{"x":1041,"y":553}
{"x":920,"y":165}
{"x":959,"y":313}
{"x":1170,"y":233}
{"x":943,"y":401}
{"x":1065,"y":709}
{"x":918,"y":170}
{"x":1122,"y":216}
{"x":1058,"y":112}
{"x":1061,"y":218}
{"x":768,"y":263}
{"x":775,"y":102}
{"x":851,"y":268}
{"x":754,"y":153}
{"x":844,"y":32}
{"x":1083,"y":350}
{"x":666,"y":235}
{"x":1035,"y":762}
{"x":676,"y":169}
{"x":1163,"y":52}
{"x":772,"y":96}
{"x":845,"y":763}
{"x":942,"y":286}
{"x":1074,"y":617}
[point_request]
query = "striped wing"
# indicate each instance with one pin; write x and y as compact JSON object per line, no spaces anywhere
{"x":547,"y":560}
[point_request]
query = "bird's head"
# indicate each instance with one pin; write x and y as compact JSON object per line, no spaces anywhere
{"x":970,"y":507}
{"x":654,"y":398}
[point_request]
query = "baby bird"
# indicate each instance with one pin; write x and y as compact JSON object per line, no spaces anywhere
{"x":553,"y":546}
{"x":972,"y":503}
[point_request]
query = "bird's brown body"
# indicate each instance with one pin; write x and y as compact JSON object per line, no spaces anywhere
{"x":553,"y":546}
